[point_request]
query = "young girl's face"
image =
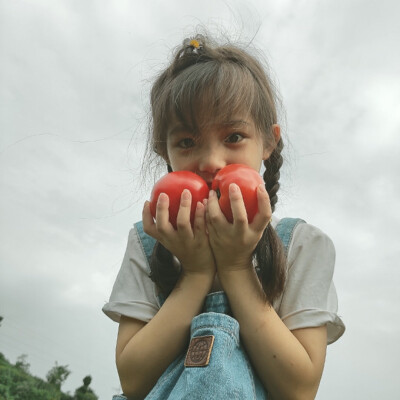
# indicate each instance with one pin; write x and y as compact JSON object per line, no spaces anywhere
{"x":236,"y":141}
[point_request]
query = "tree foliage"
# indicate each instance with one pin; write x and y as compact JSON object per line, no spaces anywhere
{"x":85,"y":392}
{"x":57,"y":375}
{"x":16,"y":383}
{"x":22,"y":364}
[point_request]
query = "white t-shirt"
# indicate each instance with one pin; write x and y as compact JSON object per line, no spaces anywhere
{"x":308,"y":300}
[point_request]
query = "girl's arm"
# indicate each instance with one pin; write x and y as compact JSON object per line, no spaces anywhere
{"x":289,"y":364}
{"x":144,"y":351}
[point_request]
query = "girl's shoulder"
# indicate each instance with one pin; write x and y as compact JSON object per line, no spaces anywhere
{"x":309,"y":298}
{"x":300,"y":237}
{"x":143,"y":240}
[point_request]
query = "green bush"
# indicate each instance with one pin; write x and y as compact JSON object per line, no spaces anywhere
{"x":18,"y":384}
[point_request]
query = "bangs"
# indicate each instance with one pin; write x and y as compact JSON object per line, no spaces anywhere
{"x":211,"y":93}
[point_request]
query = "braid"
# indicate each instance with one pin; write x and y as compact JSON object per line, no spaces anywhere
{"x":163,"y":272}
{"x":271,"y":175}
{"x":269,"y":252}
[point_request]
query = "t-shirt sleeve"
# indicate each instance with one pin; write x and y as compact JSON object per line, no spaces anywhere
{"x":134,"y":293}
{"x":309,"y":298}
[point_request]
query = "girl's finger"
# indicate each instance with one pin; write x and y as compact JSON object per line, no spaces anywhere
{"x":148,"y":222}
{"x":237,"y":205}
{"x":205,"y":204}
{"x":162,"y":214}
{"x":199,"y":219}
{"x":264,"y":214}
{"x":213,"y":211}
{"x":183,"y":217}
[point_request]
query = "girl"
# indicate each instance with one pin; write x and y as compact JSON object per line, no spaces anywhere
{"x":215,"y":106}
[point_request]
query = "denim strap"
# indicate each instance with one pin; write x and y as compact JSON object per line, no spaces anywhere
{"x":147,"y":241}
{"x":285,"y":229}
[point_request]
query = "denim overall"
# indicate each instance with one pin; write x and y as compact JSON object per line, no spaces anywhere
{"x":215,"y":365}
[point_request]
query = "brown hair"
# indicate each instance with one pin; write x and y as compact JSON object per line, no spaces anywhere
{"x":217,"y":81}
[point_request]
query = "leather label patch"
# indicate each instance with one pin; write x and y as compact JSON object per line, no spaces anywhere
{"x":199,"y":351}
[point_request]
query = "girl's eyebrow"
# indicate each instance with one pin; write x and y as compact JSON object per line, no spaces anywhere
{"x":178,"y":129}
{"x":236,"y":123}
{"x":183,"y":129}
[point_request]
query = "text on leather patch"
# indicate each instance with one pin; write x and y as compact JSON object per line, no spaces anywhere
{"x":199,"y":351}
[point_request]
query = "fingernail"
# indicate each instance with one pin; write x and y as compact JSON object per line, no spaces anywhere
{"x":186,"y":194}
{"x":234,"y":187}
{"x":211,"y":194}
{"x":261,"y":186}
{"x":162,"y":197}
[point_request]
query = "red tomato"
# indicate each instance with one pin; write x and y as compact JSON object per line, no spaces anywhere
{"x":173,"y":185}
{"x":247,"y":179}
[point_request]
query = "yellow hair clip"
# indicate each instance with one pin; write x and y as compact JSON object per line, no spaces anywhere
{"x":194,"y":43}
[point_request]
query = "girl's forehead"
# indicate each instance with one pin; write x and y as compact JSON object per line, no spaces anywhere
{"x":205,"y":95}
{"x":202,"y":112}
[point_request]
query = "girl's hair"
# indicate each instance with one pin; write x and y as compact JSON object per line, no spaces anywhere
{"x":207,"y":84}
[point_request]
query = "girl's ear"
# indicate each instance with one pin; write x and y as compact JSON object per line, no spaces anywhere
{"x":276,"y":132}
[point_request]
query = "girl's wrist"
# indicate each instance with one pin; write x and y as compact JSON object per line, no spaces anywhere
{"x":196,"y":280}
{"x":205,"y":267}
{"x":226,"y":266}
{"x":232,"y":279}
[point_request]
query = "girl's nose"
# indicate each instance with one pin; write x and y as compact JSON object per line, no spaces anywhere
{"x":211,"y":161}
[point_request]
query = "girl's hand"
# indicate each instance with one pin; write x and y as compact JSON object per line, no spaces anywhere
{"x":190,"y":246}
{"x":233,"y":243}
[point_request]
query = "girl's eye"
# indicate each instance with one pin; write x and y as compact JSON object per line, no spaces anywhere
{"x":234,"y":138}
{"x":186,"y":143}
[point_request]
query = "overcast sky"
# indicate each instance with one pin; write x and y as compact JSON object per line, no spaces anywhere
{"x":74,"y":80}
